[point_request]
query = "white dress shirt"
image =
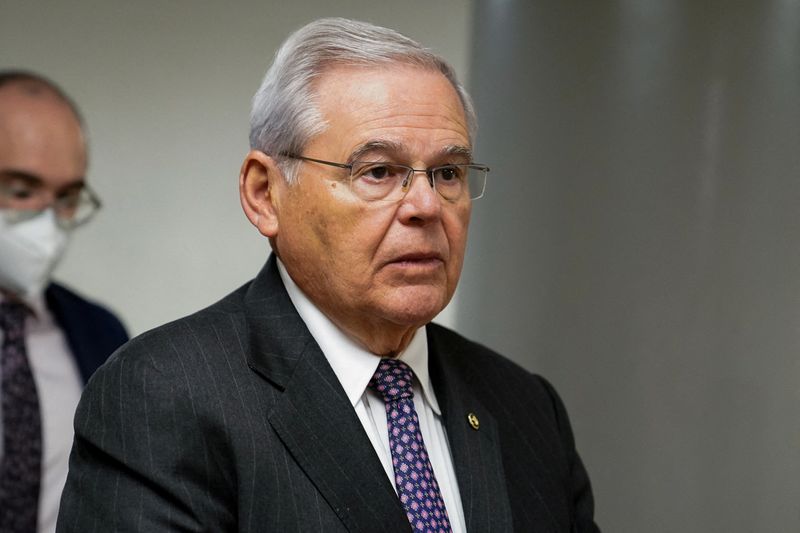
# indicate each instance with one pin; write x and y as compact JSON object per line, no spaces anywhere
{"x":59,"y":385}
{"x":354,"y":366}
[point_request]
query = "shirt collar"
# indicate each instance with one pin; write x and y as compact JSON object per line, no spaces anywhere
{"x":353,"y":365}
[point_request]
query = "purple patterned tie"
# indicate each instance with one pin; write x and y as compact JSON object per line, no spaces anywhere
{"x":20,"y":469}
{"x":413,"y":475}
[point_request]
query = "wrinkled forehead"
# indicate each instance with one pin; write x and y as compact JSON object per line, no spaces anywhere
{"x":396,"y":104}
{"x":405,"y":72}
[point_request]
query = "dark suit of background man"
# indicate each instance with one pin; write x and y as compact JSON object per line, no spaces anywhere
{"x":257,"y":413}
{"x":52,"y":339}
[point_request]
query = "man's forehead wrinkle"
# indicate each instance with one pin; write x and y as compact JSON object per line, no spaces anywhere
{"x":385,"y":107}
{"x":399,"y":149}
{"x":417,"y":120}
{"x":398,"y":111}
{"x":396,"y":125}
{"x":440,"y":109}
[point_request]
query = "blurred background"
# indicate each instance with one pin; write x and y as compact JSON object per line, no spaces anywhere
{"x":639,"y":243}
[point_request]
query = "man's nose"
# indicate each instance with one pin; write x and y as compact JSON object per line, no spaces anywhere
{"x":421,"y":202}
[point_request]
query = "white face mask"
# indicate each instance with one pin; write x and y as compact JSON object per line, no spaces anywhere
{"x":29,"y":251}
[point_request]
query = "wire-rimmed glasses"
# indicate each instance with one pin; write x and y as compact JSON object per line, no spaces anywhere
{"x":386,"y":181}
{"x":72,"y":208}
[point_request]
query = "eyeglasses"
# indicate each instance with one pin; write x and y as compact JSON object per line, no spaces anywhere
{"x":384,"y":181}
{"x":72,"y":208}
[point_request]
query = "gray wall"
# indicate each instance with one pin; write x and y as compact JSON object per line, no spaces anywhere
{"x":639,"y":245}
{"x":166,"y":87}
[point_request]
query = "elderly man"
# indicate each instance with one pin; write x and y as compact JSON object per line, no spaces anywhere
{"x":52,"y":339}
{"x":318,"y":397}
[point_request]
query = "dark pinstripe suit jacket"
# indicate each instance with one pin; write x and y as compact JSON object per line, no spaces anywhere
{"x":232,"y":420}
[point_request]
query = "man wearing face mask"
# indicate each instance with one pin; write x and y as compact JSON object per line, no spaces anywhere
{"x":52,"y":339}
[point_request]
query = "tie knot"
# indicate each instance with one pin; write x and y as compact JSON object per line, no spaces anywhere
{"x":12,"y":317}
{"x":393,"y":380}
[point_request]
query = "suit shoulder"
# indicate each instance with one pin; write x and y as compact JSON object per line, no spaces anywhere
{"x":474,"y":356}
{"x":487,"y":370}
{"x":532,"y":424}
{"x":168,"y":346}
{"x":65,"y":301}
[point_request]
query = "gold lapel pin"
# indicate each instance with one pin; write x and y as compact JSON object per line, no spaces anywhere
{"x":473,"y":421}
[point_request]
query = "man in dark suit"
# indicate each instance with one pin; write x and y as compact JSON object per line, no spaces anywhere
{"x":52,"y":339}
{"x":318,"y":396}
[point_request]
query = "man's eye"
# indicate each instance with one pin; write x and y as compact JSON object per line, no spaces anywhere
{"x":444,"y":174}
{"x":15,"y":192}
{"x":378,"y":172}
{"x":69,"y":198}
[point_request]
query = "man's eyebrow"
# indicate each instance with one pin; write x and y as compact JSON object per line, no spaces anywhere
{"x":34,"y":180}
{"x":379,"y":145}
{"x":458,"y":150}
{"x":12,"y":174}
{"x":394,"y":148}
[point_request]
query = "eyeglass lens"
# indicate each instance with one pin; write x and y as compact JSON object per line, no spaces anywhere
{"x":383,"y":181}
{"x":22,"y":200}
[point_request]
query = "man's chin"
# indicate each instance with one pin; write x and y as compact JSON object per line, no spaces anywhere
{"x":415,"y":306}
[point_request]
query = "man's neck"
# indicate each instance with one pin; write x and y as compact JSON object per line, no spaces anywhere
{"x":384,"y":340}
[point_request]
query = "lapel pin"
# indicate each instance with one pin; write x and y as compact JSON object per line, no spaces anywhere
{"x":473,"y":421}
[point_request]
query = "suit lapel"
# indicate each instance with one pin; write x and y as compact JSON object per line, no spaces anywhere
{"x":312,"y":414}
{"x":476,"y":453}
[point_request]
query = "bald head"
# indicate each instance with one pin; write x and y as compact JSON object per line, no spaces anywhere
{"x":41,"y":135}
{"x":34,"y":84}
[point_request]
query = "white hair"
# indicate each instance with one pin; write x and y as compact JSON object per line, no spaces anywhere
{"x":284,"y":116}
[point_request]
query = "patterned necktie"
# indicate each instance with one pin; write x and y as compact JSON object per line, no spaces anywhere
{"x":416,"y":485}
{"x":20,"y":469}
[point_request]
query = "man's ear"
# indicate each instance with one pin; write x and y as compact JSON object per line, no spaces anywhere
{"x":259,"y":181}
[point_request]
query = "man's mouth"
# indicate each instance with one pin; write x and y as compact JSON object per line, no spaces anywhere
{"x":418,"y":260}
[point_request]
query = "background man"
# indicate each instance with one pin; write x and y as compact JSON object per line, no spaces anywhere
{"x":52,"y":339}
{"x":318,"y":397}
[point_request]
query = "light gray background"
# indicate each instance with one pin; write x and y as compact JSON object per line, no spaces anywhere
{"x":165,"y":87}
{"x":638,"y":244}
